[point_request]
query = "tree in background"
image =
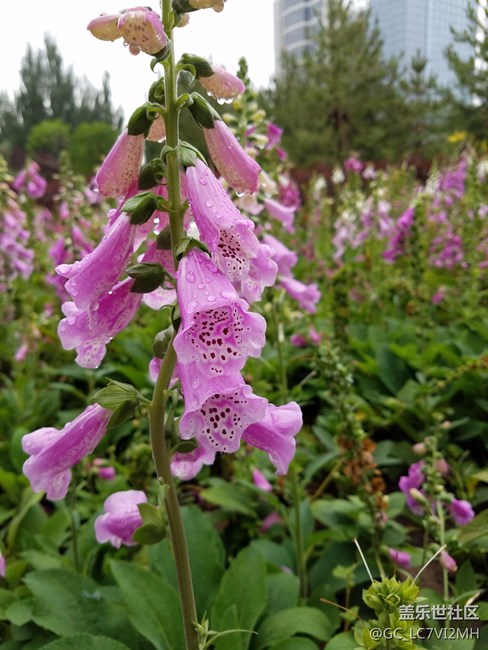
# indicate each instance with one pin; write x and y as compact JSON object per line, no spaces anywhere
{"x":470,"y":106}
{"x":424,"y":111}
{"x":50,"y":92}
{"x":342,"y":97}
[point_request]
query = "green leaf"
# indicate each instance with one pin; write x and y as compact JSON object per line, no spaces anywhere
{"x":149,"y":534}
{"x":477,"y":527}
{"x":163,"y":240}
{"x":123,"y":412}
{"x":466,"y":579}
{"x":148,"y":276}
{"x":283,"y":592}
{"x":141,"y":207}
{"x":295,"y":644}
{"x":201,"y":65}
{"x":6,"y":599}
{"x":114,"y":394}
{"x":243,"y":586}
{"x":152,"y":605}
{"x":202,"y":112}
{"x":392,"y":370}
{"x":139,"y":122}
{"x":342,"y":641}
{"x":229,"y":496}
{"x":151,"y":174}
{"x":308,"y":621}
{"x":68,"y":603}
{"x":85,"y":642}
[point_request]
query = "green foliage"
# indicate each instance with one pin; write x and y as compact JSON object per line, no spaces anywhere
{"x":47,"y":140}
{"x":89,"y":143}
{"x":341,"y":98}
{"x":50,"y":92}
{"x":470,"y":103}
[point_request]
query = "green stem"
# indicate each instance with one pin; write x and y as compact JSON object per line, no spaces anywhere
{"x":74,"y":529}
{"x":157,"y":407}
{"x":298,"y":536}
{"x":279,"y":337}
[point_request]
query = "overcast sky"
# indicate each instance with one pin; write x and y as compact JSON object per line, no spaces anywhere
{"x":244,"y":28}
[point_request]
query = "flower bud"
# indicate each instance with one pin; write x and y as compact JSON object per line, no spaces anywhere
{"x":104,"y":27}
{"x":142,"y":28}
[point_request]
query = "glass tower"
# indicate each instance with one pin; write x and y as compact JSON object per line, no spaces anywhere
{"x":408,"y":26}
{"x":294,"y":23}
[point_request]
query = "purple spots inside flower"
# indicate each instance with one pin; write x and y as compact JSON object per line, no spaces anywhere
{"x":224,"y":420}
{"x":230,"y":256}
{"x":216,"y":337}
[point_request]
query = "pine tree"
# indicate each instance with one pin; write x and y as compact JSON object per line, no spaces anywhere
{"x":48,"y":91}
{"x":470,"y":105}
{"x":342,"y":96}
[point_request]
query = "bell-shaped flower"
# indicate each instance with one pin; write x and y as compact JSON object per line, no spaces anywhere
{"x":222,"y":84}
{"x":157,"y":130}
{"x":234,"y":164}
{"x":461,"y":511}
{"x":120,"y":169}
{"x":260,"y":481}
{"x":447,"y":562}
{"x":53,"y":452}
{"x":142,"y":30}
{"x":283,"y":213}
{"x":121,"y":518}
{"x":283,"y":256}
{"x":262,"y":273}
{"x":217,"y":332}
{"x":97,"y":272}
{"x":89,"y":333}
{"x":400,"y":558}
{"x":219,"y":222}
{"x":104,"y":27}
{"x":187,"y":466}
{"x":306,"y":295}
{"x":3,"y":566}
{"x":275,"y":434}
{"x":218,"y":424}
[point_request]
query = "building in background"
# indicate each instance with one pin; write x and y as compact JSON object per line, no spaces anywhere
{"x":294,"y":25}
{"x":411,"y":26}
{"x":406,"y":27}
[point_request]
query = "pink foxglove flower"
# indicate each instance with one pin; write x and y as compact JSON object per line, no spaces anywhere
{"x":260,"y":481}
{"x":447,"y":562}
{"x":217,"y":331}
{"x":461,"y":511}
{"x":283,"y":213}
{"x":307,"y":295}
{"x":97,"y":273}
{"x":89,"y":334}
{"x":187,"y":466}
{"x":53,"y":452}
{"x":298,"y":341}
{"x":104,"y":27}
{"x":121,"y":518}
{"x":142,"y":30}
{"x":222,"y":84}
{"x":401,"y":558}
{"x":414,"y":480}
{"x":235,"y":165}
{"x":275,"y":434}
{"x":218,"y":424}
{"x":274,"y":133}
{"x":120,"y":169}
{"x":157,"y":130}
{"x":3,"y":566}
{"x":283,"y":256}
{"x":229,"y":235}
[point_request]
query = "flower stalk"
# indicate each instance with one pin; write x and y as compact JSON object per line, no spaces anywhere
{"x":158,"y":404}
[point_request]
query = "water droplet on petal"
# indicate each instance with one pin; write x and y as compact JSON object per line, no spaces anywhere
{"x":190,"y":277}
{"x":211,"y":298}
{"x":196,"y":384}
